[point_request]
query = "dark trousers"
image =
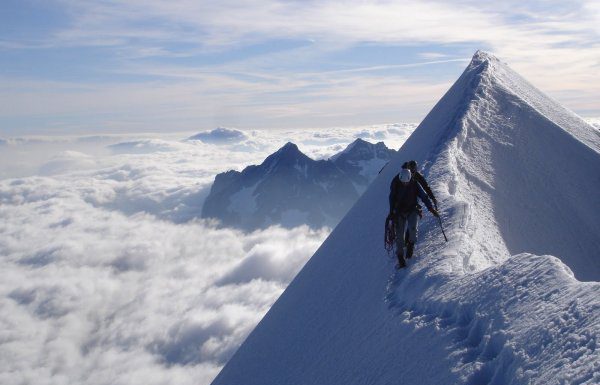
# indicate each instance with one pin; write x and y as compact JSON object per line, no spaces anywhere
{"x":407,"y":222}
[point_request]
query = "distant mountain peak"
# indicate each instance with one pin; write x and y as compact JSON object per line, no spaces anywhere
{"x":360,"y":140}
{"x":219,"y":135}
{"x":288,"y":153}
{"x":289,"y":147}
{"x":360,"y":148}
{"x":358,"y":143}
{"x":290,"y":188}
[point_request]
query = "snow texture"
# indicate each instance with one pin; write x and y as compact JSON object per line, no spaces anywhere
{"x":512,"y":298}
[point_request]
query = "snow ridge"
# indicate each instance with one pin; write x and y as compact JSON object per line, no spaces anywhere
{"x":498,"y":303}
{"x":488,"y":337}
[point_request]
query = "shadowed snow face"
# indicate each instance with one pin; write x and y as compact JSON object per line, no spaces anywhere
{"x":105,"y":275}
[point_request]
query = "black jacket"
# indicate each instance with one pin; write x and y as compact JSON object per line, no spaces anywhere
{"x":421,"y":180}
{"x":403,"y":198}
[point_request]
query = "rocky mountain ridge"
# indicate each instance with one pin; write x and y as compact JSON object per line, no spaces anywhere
{"x":291,"y":189}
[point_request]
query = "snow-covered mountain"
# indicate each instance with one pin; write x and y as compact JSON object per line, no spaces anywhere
{"x":291,"y":189}
{"x":503,"y":302}
{"x":362,"y":161}
{"x":219,"y":135}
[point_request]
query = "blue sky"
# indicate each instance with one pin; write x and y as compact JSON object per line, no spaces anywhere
{"x":69,"y":66}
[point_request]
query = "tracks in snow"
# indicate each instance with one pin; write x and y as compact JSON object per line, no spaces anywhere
{"x":479,"y":347}
{"x":525,"y":321}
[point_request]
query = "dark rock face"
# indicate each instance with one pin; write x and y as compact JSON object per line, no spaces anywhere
{"x":362,"y":161}
{"x":291,"y":189}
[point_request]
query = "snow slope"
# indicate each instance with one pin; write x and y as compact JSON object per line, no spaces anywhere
{"x":516,"y":177}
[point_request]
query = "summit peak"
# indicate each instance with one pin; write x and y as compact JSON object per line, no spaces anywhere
{"x":288,"y":154}
{"x":289,"y":146}
{"x":289,"y":150}
{"x":482,"y":56}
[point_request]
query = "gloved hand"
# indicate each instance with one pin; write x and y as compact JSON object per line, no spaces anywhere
{"x":434,"y":212}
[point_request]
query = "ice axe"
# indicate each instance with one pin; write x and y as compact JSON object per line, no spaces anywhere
{"x":442,"y":227}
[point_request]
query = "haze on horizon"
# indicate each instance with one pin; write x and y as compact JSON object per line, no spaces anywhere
{"x":70,"y":67}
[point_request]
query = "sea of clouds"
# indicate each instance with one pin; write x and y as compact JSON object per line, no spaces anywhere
{"x":107,"y":273}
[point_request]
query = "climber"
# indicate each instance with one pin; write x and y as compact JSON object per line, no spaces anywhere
{"x":420,"y":179}
{"x":405,"y":212}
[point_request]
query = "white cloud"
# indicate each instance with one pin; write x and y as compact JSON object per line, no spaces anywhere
{"x":104,"y":277}
{"x":144,"y":146}
{"x":293,"y":101}
{"x":514,"y":23}
{"x":233,"y":22}
{"x":66,"y":161}
{"x":553,"y":44}
{"x":83,"y":287}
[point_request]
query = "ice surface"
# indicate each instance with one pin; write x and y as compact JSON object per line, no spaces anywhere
{"x":516,"y":176}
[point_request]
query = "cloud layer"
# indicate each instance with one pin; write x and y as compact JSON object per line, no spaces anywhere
{"x":105,"y":277}
{"x":86,"y":291}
